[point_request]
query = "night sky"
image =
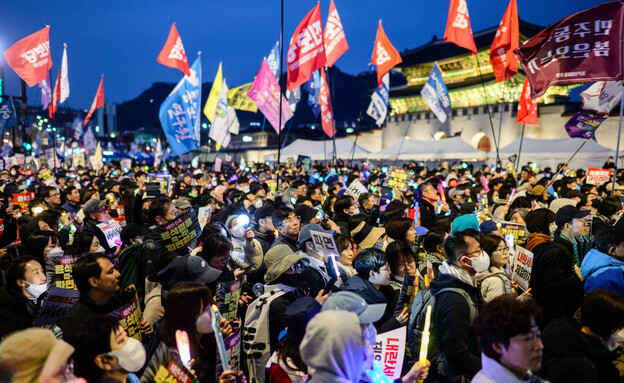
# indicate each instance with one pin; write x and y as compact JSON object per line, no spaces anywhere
{"x":121,"y":39}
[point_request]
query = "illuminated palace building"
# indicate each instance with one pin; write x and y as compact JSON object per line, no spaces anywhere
{"x":471,"y":94}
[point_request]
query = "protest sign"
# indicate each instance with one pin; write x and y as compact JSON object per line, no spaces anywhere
{"x":482,"y":203}
{"x":522,"y":267}
{"x":59,"y":271}
{"x":398,"y":179}
{"x":272,"y":184}
{"x":47,"y":177}
{"x":19,"y":160}
{"x":226,"y":296}
{"x":178,"y":233}
{"x":112,"y":231}
{"x":389,"y":351}
{"x":56,"y":304}
{"x":173,"y":373}
{"x":409,"y":289}
{"x":518,"y":230}
{"x":232,"y":350}
{"x":22,"y":199}
{"x":79,"y":159}
{"x":203,"y":215}
{"x":355,"y":189}
{"x":217,"y":164}
{"x":126,"y":163}
{"x":598,"y":176}
{"x":15,"y":241}
{"x":129,"y":316}
{"x":163,"y":179}
{"x":50,"y":158}
{"x":324,"y":243}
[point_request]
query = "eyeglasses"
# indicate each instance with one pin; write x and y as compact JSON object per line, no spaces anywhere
{"x":474,"y":252}
{"x":503,"y":250}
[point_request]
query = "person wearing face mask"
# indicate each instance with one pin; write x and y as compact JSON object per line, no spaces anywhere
{"x":556,"y":280}
{"x":96,"y":213}
{"x":603,"y":266}
{"x":583,"y":351}
{"x":104,"y":353}
{"x":85,"y":243}
{"x":21,"y":297}
{"x":455,"y":310}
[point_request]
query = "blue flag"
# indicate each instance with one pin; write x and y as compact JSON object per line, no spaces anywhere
{"x":7,"y":114}
{"x":436,"y":95}
{"x":313,"y":86}
{"x":378,"y":107}
{"x":180,"y":113}
{"x":274,"y":59}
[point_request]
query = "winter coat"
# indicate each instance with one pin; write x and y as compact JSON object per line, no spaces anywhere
{"x":602,"y":271}
{"x":284,"y":240}
{"x":373,"y":296}
{"x":427,"y":213}
{"x":494,"y":283}
{"x":84,"y":308}
{"x":90,"y":226}
{"x":265,"y":239}
{"x":494,"y":372}
{"x":17,"y":312}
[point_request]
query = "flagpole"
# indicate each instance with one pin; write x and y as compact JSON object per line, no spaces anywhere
{"x":502,"y":108}
{"x":354,"y":146}
{"x":617,"y":148}
{"x":287,"y":131}
{"x":488,"y":109}
{"x":16,"y":122}
{"x":333,"y":119}
{"x":279,"y":131}
{"x":402,"y":141}
{"x":566,"y":164}
{"x":261,"y":134}
{"x":53,"y":117}
{"x":520,"y":149}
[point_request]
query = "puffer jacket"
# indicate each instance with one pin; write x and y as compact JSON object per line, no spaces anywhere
{"x":602,"y":272}
{"x":494,"y":283}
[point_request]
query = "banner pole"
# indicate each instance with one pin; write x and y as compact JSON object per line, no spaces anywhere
{"x":502,"y":108}
{"x":488,"y":109}
{"x":279,"y":131}
{"x":617,"y":147}
{"x":402,"y":141}
{"x":564,"y":165}
{"x":520,"y":149}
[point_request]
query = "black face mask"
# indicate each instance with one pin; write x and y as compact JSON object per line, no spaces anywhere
{"x":292,"y":280}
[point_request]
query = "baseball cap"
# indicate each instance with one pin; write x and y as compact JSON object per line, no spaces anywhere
{"x":488,"y":226}
{"x":181,"y":203}
{"x":298,"y":314}
{"x":350,"y":301}
{"x":187,"y":268}
{"x":93,"y":205}
{"x":568,"y":213}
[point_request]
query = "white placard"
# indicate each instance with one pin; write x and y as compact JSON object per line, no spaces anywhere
{"x":389,"y":351}
{"x":522,"y":267}
{"x":112,"y":231}
{"x":203,"y":215}
{"x":356,"y":189}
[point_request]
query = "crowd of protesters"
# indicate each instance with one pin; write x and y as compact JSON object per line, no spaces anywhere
{"x":304,"y":315}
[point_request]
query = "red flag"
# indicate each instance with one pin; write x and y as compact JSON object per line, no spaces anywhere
{"x":30,"y":57}
{"x":98,"y":101}
{"x":504,"y":62}
{"x":527,"y":108}
{"x":56,"y":96}
{"x":385,"y":56}
{"x":583,"y":47}
{"x":173,"y":54}
{"x":306,"y":52}
{"x":334,"y":36}
{"x":458,"y":28}
{"x":327,"y":116}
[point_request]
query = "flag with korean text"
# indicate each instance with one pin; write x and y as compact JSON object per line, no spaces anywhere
{"x":527,"y":108}
{"x":180,"y":112}
{"x":385,"y":56}
{"x":220,"y":127}
{"x":30,"y":57}
{"x":64,"y":78}
{"x":504,"y":62}
{"x":327,"y":114}
{"x":237,"y":98}
{"x":583,"y":47}
{"x":378,"y":107}
{"x":313,"y":87}
{"x":436,"y":95}
{"x":266,"y":93}
{"x":602,"y":96}
{"x":98,"y":101}
{"x":274,"y":59}
{"x":334,"y":36}
{"x":458,"y":29}
{"x":173,"y":54}
{"x":306,"y":52}
{"x":7,"y":114}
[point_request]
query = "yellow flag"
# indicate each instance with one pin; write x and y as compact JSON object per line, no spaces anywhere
{"x":213,"y":97}
{"x":238,"y":99}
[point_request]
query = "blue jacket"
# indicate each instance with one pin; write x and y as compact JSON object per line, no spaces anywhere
{"x":602,"y":271}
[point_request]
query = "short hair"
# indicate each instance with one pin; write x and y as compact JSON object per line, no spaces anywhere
{"x":69,"y":190}
{"x":44,"y":191}
{"x":280,"y":215}
{"x":16,"y":271}
{"x":215,"y":246}
{"x":355,"y":221}
{"x":421,"y":188}
{"x":432,"y":240}
{"x":501,"y":319}
{"x":603,"y":312}
{"x":397,"y":251}
{"x":364,"y":198}
{"x":343,"y":203}
{"x":607,"y":238}
{"x":454,"y":245}
{"x":158,"y":208}
{"x":82,"y":244}
{"x":609,"y":206}
{"x":368,"y":260}
{"x":288,"y":194}
{"x":398,"y":228}
{"x":586,"y":188}
{"x":37,"y":242}
{"x":87,"y":267}
{"x":342,"y":243}
{"x":90,"y":339}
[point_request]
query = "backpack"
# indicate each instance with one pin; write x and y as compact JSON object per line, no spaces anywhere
{"x":416,"y":322}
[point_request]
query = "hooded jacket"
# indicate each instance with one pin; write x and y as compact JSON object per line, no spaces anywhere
{"x":494,"y":283}
{"x":602,"y":271}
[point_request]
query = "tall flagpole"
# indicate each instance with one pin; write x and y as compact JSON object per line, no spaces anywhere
{"x":502,"y":108}
{"x":279,"y":131}
{"x":520,"y":149}
{"x":488,"y":109}
{"x":564,"y":165}
{"x":617,"y":148}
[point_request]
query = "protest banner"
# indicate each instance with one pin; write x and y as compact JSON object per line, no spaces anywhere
{"x":173,"y":373}
{"x":272,"y":184}
{"x":59,"y":271}
{"x":233,"y":351}
{"x":356,"y":189}
{"x":19,"y":160}
{"x":389,"y":351}
{"x":22,"y":199}
{"x":226,"y":296}
{"x":79,"y":159}
{"x":163,"y":179}
{"x":129,"y":315}
{"x":112,"y":231}
{"x":47,"y":177}
{"x":178,"y":233}
{"x":324,"y":243}
{"x":398,"y":179}
{"x":203,"y":215}
{"x":55,"y":305}
{"x":409,"y":289}
{"x":522,"y":267}
{"x":518,"y":230}
{"x":17,"y":240}
{"x":598,"y":176}
{"x":217,"y":164}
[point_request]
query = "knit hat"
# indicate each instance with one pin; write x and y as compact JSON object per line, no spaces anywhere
{"x":468,"y":221}
{"x":305,"y":213}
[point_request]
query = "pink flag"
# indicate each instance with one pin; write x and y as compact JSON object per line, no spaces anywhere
{"x":265,"y":91}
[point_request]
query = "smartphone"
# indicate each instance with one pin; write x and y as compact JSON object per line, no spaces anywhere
{"x":509,"y":239}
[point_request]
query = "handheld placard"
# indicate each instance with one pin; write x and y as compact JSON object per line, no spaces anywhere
{"x":184,"y":350}
{"x":216,"y":316}
{"x":424,"y":343}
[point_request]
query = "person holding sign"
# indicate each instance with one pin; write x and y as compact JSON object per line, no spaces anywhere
{"x":428,"y":203}
{"x":96,"y":213}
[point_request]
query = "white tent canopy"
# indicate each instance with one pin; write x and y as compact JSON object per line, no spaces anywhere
{"x":320,"y":150}
{"x":444,"y":149}
{"x":552,"y":152}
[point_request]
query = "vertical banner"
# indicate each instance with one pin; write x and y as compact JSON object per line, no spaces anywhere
{"x":522,"y":267}
{"x":55,"y":305}
{"x":59,"y":271}
{"x":129,"y":316}
{"x":389,"y":351}
{"x":226,"y":296}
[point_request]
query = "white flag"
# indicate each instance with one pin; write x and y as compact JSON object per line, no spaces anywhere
{"x":158,"y":155}
{"x":233,"y":120}
{"x":220,"y":127}
{"x":378,"y":107}
{"x":602,"y":96}
{"x":64,"y":77}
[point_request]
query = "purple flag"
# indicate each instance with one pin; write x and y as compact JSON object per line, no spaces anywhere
{"x":265,"y":92}
{"x":582,"y":125}
{"x":46,"y":92}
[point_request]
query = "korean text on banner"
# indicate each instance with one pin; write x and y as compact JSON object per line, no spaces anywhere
{"x":232,"y":351}
{"x":355,"y":189}
{"x":518,"y":230}
{"x":458,"y":29}
{"x":389,"y":351}
{"x":522,"y":267}
{"x":178,"y":233}
{"x":436,"y":94}
{"x":203,"y":215}
{"x":56,"y":304}
{"x":173,"y":373}
{"x":583,"y":125}
{"x":129,"y":316}
{"x":173,"y":54}
{"x":398,"y":179}
{"x":602,"y":96}
{"x":378,"y":107}
{"x":324,"y":243}
{"x":385,"y":55}
{"x":112,"y":232}
{"x":306,"y":52}
{"x":30,"y":57}
{"x":598,"y":176}
{"x":59,"y":271}
{"x":334,"y":36}
{"x":226,"y":297}
{"x":265,"y":92}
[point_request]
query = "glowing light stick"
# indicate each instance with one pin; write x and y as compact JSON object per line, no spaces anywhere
{"x":184,"y":350}
{"x":513,"y":191}
{"x":219,"y":337}
{"x":424,"y":343}
{"x":441,"y":191}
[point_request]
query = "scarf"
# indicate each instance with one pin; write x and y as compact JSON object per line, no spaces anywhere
{"x":457,"y":272}
{"x":535,"y":239}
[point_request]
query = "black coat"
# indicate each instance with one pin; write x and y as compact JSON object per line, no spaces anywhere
{"x":17,"y":312}
{"x":83,"y":309}
{"x":572,"y":356}
{"x":342,"y":220}
{"x":453,"y":329}
{"x":386,"y":294}
{"x":427,"y":213}
{"x":265,"y":239}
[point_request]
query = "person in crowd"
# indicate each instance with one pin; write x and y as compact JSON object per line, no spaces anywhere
{"x":51,"y":196}
{"x":21,"y":297}
{"x":428,"y":204}
{"x":540,"y":223}
{"x":246,"y":252}
{"x":603,"y":266}
{"x":432,"y":243}
{"x":510,"y":341}
{"x":344,"y":207}
{"x":556,"y":280}
{"x":72,"y":200}
{"x":97,"y":214}
{"x":369,"y":204}
{"x":328,"y":205}
{"x":265,"y":231}
{"x":316,"y":276}
{"x":41,"y":243}
{"x":344,"y":246}
{"x":608,"y":212}
{"x":583,"y":352}
{"x":401,"y":261}
{"x":287,"y":225}
{"x":517,"y":215}
{"x":85,"y":243}
{"x":402,"y":230}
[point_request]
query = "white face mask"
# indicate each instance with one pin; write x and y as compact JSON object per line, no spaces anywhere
{"x":56,"y":251}
{"x":615,"y":340}
{"x":203,"y":324}
{"x":356,"y":211}
{"x":100,"y":250}
{"x":259,"y":203}
{"x":36,"y":290}
{"x":481,"y":263}
{"x":131,"y":357}
{"x":238,"y":231}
